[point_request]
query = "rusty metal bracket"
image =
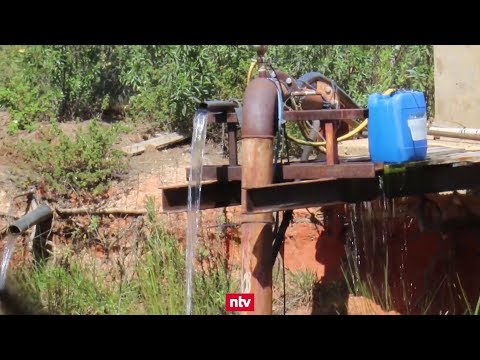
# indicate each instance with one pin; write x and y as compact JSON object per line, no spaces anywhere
{"x":222,"y":117}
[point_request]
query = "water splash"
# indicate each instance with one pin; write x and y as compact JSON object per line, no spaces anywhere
{"x":7,"y":255}
{"x":372,"y":228}
{"x":406,"y":288}
{"x":362,"y":215}
{"x":354,"y":245}
{"x":194,"y":191}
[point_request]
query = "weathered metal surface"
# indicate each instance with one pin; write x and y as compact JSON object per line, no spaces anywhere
{"x":292,"y":171}
{"x":398,"y":182}
{"x":310,"y":193}
{"x":413,"y":179}
{"x":333,"y":114}
{"x":216,"y":106}
{"x":260,"y":102}
{"x":213,"y":195}
{"x":300,"y":115}
{"x":218,"y":118}
{"x":259,"y":107}
{"x":312,"y":102}
{"x":232,"y":144}
{"x":332,"y":144}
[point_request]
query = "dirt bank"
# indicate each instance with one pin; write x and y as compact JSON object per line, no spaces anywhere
{"x":426,"y":254}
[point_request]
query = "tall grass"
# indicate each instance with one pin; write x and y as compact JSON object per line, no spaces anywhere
{"x":365,"y":286}
{"x":382,"y":293}
{"x":470,"y":310}
{"x":155,"y":283}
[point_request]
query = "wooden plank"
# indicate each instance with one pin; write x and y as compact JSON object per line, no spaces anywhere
{"x":455,"y":159}
{"x":441,"y":151}
{"x":157,"y":142}
{"x":433,"y":152}
{"x":469,"y":157}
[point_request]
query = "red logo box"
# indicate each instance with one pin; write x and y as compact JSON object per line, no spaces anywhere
{"x":239,"y":302}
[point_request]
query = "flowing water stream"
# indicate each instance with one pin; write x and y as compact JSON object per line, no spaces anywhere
{"x":10,"y":242}
{"x":194,"y":191}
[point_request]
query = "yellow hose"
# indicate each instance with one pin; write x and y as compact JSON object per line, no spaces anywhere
{"x":250,"y":71}
{"x":323,"y":143}
{"x":359,"y":128}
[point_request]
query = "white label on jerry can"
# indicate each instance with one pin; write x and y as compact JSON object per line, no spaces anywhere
{"x":418,"y":127}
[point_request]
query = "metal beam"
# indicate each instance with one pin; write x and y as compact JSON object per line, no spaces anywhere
{"x":299,"y":115}
{"x":310,"y":193}
{"x":412,"y":180}
{"x":330,"y":114}
{"x":213,"y":195}
{"x":293,"y":171}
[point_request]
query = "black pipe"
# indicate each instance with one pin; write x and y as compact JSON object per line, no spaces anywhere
{"x":35,"y":217}
{"x":219,"y":105}
{"x":280,"y":235}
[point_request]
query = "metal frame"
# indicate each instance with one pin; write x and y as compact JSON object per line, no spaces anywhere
{"x":301,"y":184}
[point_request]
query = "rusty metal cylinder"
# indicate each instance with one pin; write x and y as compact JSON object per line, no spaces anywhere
{"x":259,"y":112}
{"x":312,"y":102}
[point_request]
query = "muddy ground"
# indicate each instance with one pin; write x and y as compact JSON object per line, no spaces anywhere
{"x":307,"y":246}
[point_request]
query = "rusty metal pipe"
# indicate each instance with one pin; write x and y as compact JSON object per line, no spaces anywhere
{"x":259,"y":109}
{"x":259,"y":112}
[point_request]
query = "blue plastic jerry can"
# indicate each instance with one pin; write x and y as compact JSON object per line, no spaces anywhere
{"x":397,"y":127}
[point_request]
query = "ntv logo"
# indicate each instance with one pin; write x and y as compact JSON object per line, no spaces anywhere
{"x":239,"y":302}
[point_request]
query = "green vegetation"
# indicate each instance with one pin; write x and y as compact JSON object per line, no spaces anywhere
{"x":163,"y":84}
{"x":151,"y":283}
{"x":470,"y":309}
{"x":86,"y":162}
{"x":365,"y":286}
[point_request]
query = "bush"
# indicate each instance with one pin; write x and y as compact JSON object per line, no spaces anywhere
{"x":164,"y":84}
{"x":26,"y":103}
{"x":86,"y":162}
{"x":362,"y":69}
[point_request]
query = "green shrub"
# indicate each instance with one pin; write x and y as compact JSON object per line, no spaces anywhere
{"x":86,"y":162}
{"x":27,"y":103}
{"x":165,"y":83}
{"x":362,"y":69}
